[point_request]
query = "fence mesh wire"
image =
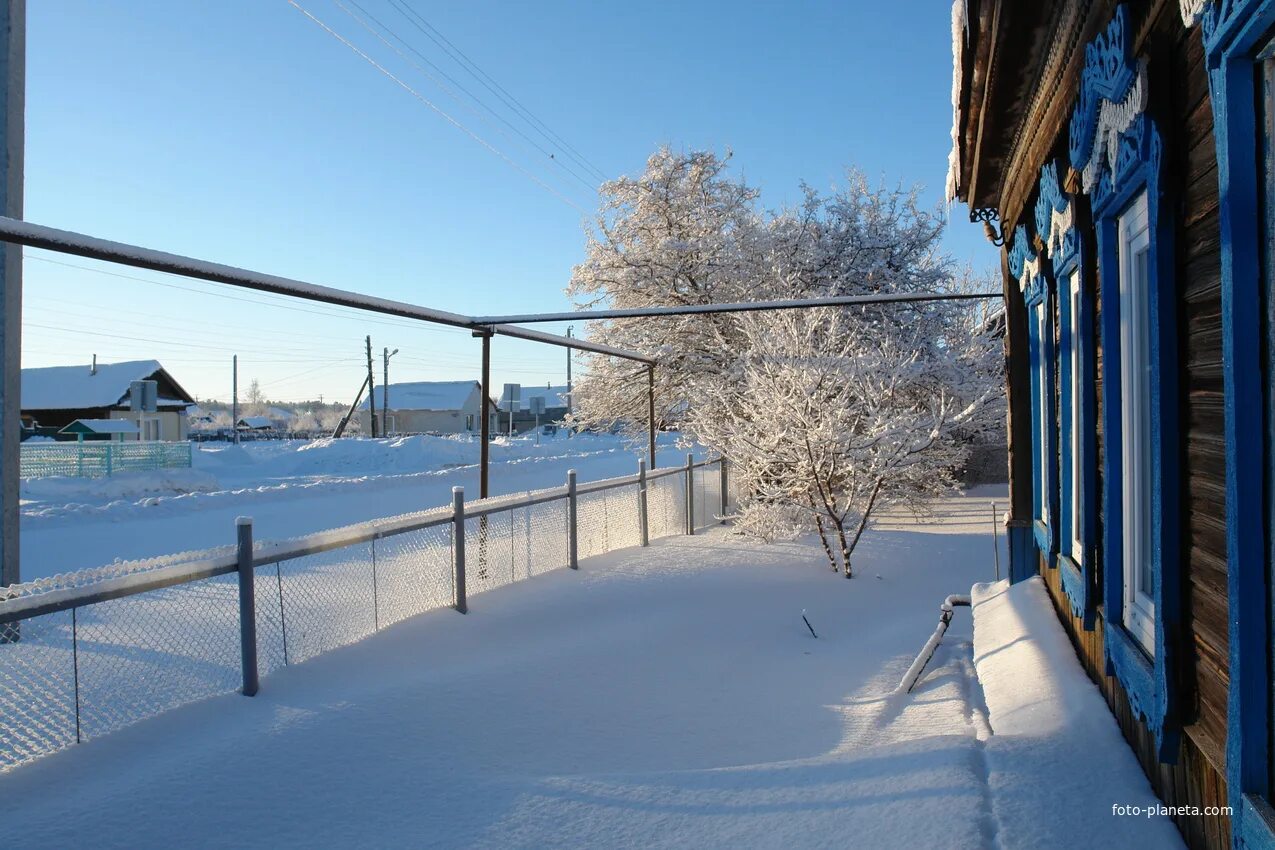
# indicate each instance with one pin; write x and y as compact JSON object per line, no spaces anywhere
{"x":666,"y":505}
{"x":100,"y":458}
{"x":144,"y":654}
{"x":37,"y":688}
{"x":81,"y":673}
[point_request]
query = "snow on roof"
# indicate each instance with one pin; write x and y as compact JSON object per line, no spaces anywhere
{"x":425,"y":395}
{"x":102,"y":426}
{"x":79,"y":388}
{"x":958,"y":65}
{"x":280,"y":413}
{"x":256,"y":422}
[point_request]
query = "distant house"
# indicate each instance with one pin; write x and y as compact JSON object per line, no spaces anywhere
{"x":102,"y":429}
{"x":53,"y":397}
{"x":556,"y":407}
{"x":430,"y":407}
{"x":255,"y":423}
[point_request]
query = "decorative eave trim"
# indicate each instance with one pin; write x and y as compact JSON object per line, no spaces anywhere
{"x":1026,"y":266}
{"x":1055,"y":217}
{"x":1192,"y":11}
{"x":1113,"y":93}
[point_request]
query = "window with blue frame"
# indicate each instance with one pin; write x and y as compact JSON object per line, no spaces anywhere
{"x":1116,"y":151}
{"x":1042,"y":407}
{"x":1237,"y":37}
{"x":1029,"y":271}
{"x":1077,"y":441}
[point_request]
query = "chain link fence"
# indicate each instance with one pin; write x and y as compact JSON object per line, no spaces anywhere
{"x":84,"y":654}
{"x":100,"y":458}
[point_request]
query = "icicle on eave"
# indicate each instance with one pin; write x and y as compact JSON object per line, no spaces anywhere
{"x":958,"y":62}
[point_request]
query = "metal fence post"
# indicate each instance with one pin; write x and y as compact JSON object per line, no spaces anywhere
{"x":723,"y":485}
{"x":247,"y":607}
{"x":573,"y":522}
{"x":690,"y":493}
{"x":108,"y":461}
{"x":458,"y":548}
{"x":644,"y":528}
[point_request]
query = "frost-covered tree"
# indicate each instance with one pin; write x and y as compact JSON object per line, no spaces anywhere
{"x":828,"y":415}
{"x":834,"y":414}
{"x":686,"y":232}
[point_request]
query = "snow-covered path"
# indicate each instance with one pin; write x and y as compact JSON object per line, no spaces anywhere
{"x":661,"y":697}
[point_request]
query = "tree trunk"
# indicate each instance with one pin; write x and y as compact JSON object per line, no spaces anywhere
{"x":845,"y":549}
{"x":823,"y":538}
{"x":863,"y":523}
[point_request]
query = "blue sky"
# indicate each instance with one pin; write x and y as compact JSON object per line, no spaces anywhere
{"x":242,"y":132}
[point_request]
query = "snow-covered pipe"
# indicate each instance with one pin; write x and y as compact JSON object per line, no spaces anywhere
{"x":927,"y":652}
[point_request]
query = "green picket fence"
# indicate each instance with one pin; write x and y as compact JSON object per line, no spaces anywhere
{"x":99,"y":459}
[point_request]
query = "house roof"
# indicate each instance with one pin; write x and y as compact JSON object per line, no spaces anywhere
{"x":101,"y":426}
{"x":1012,"y":92}
{"x":255,"y":422}
{"x":80,"y":388}
{"x":425,"y":395}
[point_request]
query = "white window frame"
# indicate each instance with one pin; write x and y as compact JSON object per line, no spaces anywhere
{"x":148,"y":428}
{"x":1042,"y":404}
{"x":1134,"y":234}
{"x":1076,"y":436}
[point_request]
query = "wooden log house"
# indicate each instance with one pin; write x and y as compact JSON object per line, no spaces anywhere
{"x":1122,"y":154}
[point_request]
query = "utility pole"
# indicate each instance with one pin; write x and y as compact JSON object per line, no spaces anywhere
{"x":371,"y":388}
{"x":386,"y":354}
{"x":485,"y":426}
{"x":569,"y":396}
{"x":13,"y":58}
{"x":234,"y":397}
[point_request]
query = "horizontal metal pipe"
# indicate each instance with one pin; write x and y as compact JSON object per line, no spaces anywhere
{"x":738,"y":307}
{"x":26,"y":607}
{"x":33,"y":235}
{"x":565,"y":342}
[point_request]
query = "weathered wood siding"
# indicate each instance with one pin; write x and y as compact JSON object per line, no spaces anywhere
{"x":1192,"y":165}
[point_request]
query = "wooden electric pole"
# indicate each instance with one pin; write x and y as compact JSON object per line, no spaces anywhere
{"x":371,"y":389}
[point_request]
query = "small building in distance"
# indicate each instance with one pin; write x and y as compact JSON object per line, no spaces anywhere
{"x":115,"y":430}
{"x":429,"y":407}
{"x":556,"y":407}
{"x":53,"y":397}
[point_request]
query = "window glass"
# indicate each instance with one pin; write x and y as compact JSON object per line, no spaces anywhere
{"x":1076,"y":436}
{"x":1042,"y":405}
{"x":1135,"y":421}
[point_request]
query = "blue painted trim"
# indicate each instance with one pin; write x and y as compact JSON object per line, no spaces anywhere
{"x":1043,"y":360}
{"x":1149,"y":683}
{"x":1023,"y":557}
{"x":1067,"y":257}
{"x":1232,"y":31}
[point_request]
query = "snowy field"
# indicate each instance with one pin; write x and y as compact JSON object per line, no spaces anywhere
{"x":661,"y":697}
{"x":290,"y":488}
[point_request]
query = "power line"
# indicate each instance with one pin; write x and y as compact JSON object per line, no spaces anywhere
{"x":492,"y":86}
{"x":378,"y":66}
{"x":281,"y":302}
{"x":564,"y":166}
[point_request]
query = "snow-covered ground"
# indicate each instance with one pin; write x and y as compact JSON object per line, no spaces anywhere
{"x":661,"y":697}
{"x":291,"y":488}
